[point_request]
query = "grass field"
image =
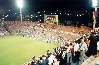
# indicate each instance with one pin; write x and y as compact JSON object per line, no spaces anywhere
{"x":15,"y":50}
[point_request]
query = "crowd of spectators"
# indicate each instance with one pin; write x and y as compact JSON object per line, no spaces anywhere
{"x":74,"y":46}
{"x":74,"y":53}
{"x":3,"y":32}
{"x":46,"y":32}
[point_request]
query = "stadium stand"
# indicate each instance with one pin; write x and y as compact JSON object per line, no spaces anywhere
{"x":73,"y":49}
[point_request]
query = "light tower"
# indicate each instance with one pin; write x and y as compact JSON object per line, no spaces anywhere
{"x":95,"y":6}
{"x":20,"y":4}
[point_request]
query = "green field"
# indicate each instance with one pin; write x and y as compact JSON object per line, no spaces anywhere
{"x":15,"y":50}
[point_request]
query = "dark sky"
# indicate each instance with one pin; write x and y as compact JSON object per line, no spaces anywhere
{"x":47,"y":3}
{"x":60,"y":3}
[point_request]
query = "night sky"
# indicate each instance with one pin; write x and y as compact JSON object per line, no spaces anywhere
{"x":47,"y":3}
{"x":72,"y":6}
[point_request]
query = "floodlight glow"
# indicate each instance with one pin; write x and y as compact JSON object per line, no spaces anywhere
{"x":20,"y":3}
{"x":94,"y":3}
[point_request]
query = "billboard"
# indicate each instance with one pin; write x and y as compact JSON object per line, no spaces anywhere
{"x":51,"y":19}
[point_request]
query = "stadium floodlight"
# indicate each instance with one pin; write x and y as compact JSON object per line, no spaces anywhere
{"x":20,"y":4}
{"x":94,"y":3}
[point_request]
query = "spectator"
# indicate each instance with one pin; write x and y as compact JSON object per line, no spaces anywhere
{"x":75,"y":58}
{"x":83,"y":48}
{"x":69,"y":55}
{"x":51,"y":59}
{"x":92,"y":49}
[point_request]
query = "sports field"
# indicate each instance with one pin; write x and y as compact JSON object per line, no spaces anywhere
{"x":15,"y":50}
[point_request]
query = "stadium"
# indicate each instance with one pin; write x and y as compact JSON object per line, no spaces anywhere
{"x":49,"y":36}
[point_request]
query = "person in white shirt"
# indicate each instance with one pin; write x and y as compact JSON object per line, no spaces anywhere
{"x":51,"y":59}
{"x":76,"y":47}
{"x":69,"y":55}
{"x":83,"y":48}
